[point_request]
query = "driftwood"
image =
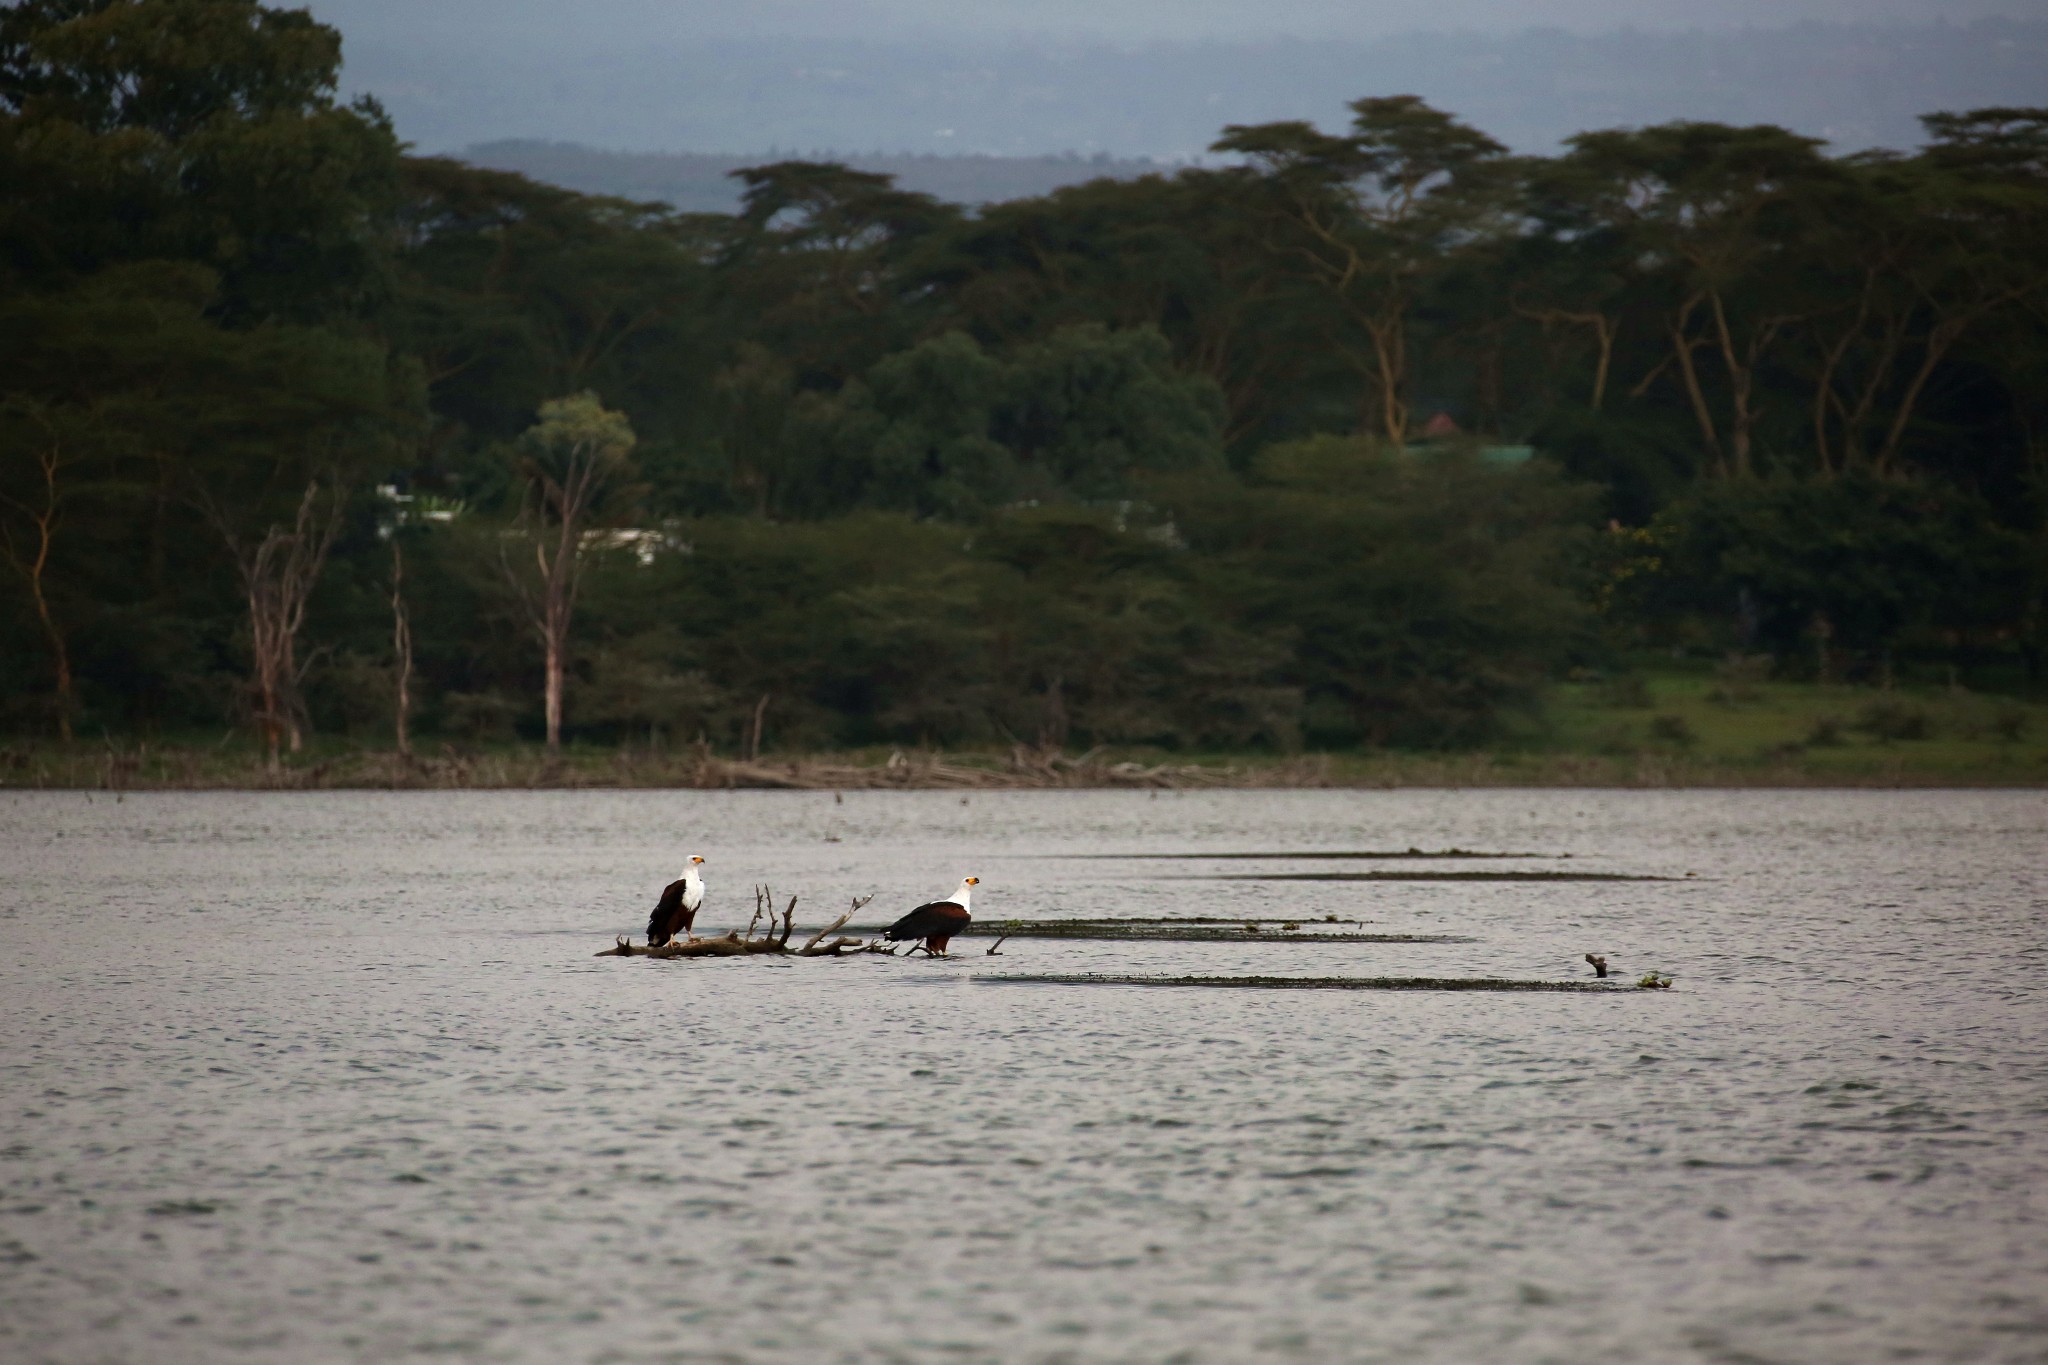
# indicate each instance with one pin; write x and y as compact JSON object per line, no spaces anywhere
{"x":1026,"y":767}
{"x":773,"y":941}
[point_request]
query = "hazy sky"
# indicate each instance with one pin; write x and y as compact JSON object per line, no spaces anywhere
{"x":599,"y":23}
{"x":1160,"y":77}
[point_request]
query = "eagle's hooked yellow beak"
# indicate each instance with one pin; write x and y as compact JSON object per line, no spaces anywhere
{"x":974,"y":881}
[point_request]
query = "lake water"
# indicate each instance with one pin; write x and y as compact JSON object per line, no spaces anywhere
{"x":317,"y":1077}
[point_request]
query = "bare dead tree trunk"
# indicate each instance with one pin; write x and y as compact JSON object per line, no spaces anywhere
{"x":552,"y":687}
{"x":278,"y":577}
{"x":563,"y":575}
{"x":754,"y":734}
{"x":550,"y":604}
{"x":1054,"y":726}
{"x":33,"y":564}
{"x":560,"y":502}
{"x":401,"y":649}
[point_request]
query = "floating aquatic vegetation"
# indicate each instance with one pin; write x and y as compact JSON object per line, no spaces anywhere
{"x":1363,"y":855}
{"x":1311,"y":983}
{"x":1190,"y":930}
{"x":1419,"y":877}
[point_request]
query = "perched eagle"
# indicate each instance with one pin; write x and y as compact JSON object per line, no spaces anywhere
{"x":676,"y":911}
{"x":936,"y":922}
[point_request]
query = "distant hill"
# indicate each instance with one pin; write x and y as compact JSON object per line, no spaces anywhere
{"x":699,"y":182}
{"x":1857,"y":85}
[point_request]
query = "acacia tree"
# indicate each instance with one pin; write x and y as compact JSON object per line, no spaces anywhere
{"x":1190,"y":256}
{"x":573,"y":457}
{"x":1915,"y":257}
{"x":816,"y":266}
{"x":1983,"y":204}
{"x":1575,"y":269}
{"x":1707,"y":211}
{"x":1374,"y":215}
{"x":506,"y":287}
{"x":1858,"y":346}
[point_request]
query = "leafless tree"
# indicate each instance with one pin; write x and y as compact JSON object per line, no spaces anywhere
{"x":401,"y":649}
{"x":278,"y":573}
{"x":754,"y":732}
{"x":27,"y":548}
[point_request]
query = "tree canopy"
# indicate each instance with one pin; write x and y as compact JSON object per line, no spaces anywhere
{"x":1346,"y":441}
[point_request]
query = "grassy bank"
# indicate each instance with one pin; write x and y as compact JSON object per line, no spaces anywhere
{"x":1673,"y":730}
{"x":1714,"y":726}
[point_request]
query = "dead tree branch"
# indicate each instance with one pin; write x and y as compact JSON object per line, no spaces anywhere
{"x":736,"y":944}
{"x":834,"y":927}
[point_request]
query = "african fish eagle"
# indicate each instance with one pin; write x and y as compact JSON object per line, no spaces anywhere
{"x":937,"y":922}
{"x":677,"y":909}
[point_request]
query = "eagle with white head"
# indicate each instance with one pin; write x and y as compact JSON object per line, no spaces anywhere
{"x":937,"y":921}
{"x":677,"y":909}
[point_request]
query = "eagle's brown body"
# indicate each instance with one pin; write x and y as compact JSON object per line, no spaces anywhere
{"x":934,"y":923}
{"x":677,"y":909}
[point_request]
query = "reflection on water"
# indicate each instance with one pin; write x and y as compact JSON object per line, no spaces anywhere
{"x":335,"y":1077}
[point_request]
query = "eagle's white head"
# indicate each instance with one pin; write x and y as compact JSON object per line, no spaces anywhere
{"x":690,"y":872}
{"x":967,"y":885}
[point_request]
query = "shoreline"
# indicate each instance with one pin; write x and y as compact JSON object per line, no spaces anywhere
{"x":192,"y":768}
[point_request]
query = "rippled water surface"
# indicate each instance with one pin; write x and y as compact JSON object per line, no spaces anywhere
{"x":336,"y":1077}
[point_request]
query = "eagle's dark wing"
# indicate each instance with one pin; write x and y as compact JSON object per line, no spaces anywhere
{"x":669,"y":915}
{"x":940,"y":919}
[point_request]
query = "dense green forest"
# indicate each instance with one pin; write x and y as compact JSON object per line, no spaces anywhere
{"x":1365,"y":440}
